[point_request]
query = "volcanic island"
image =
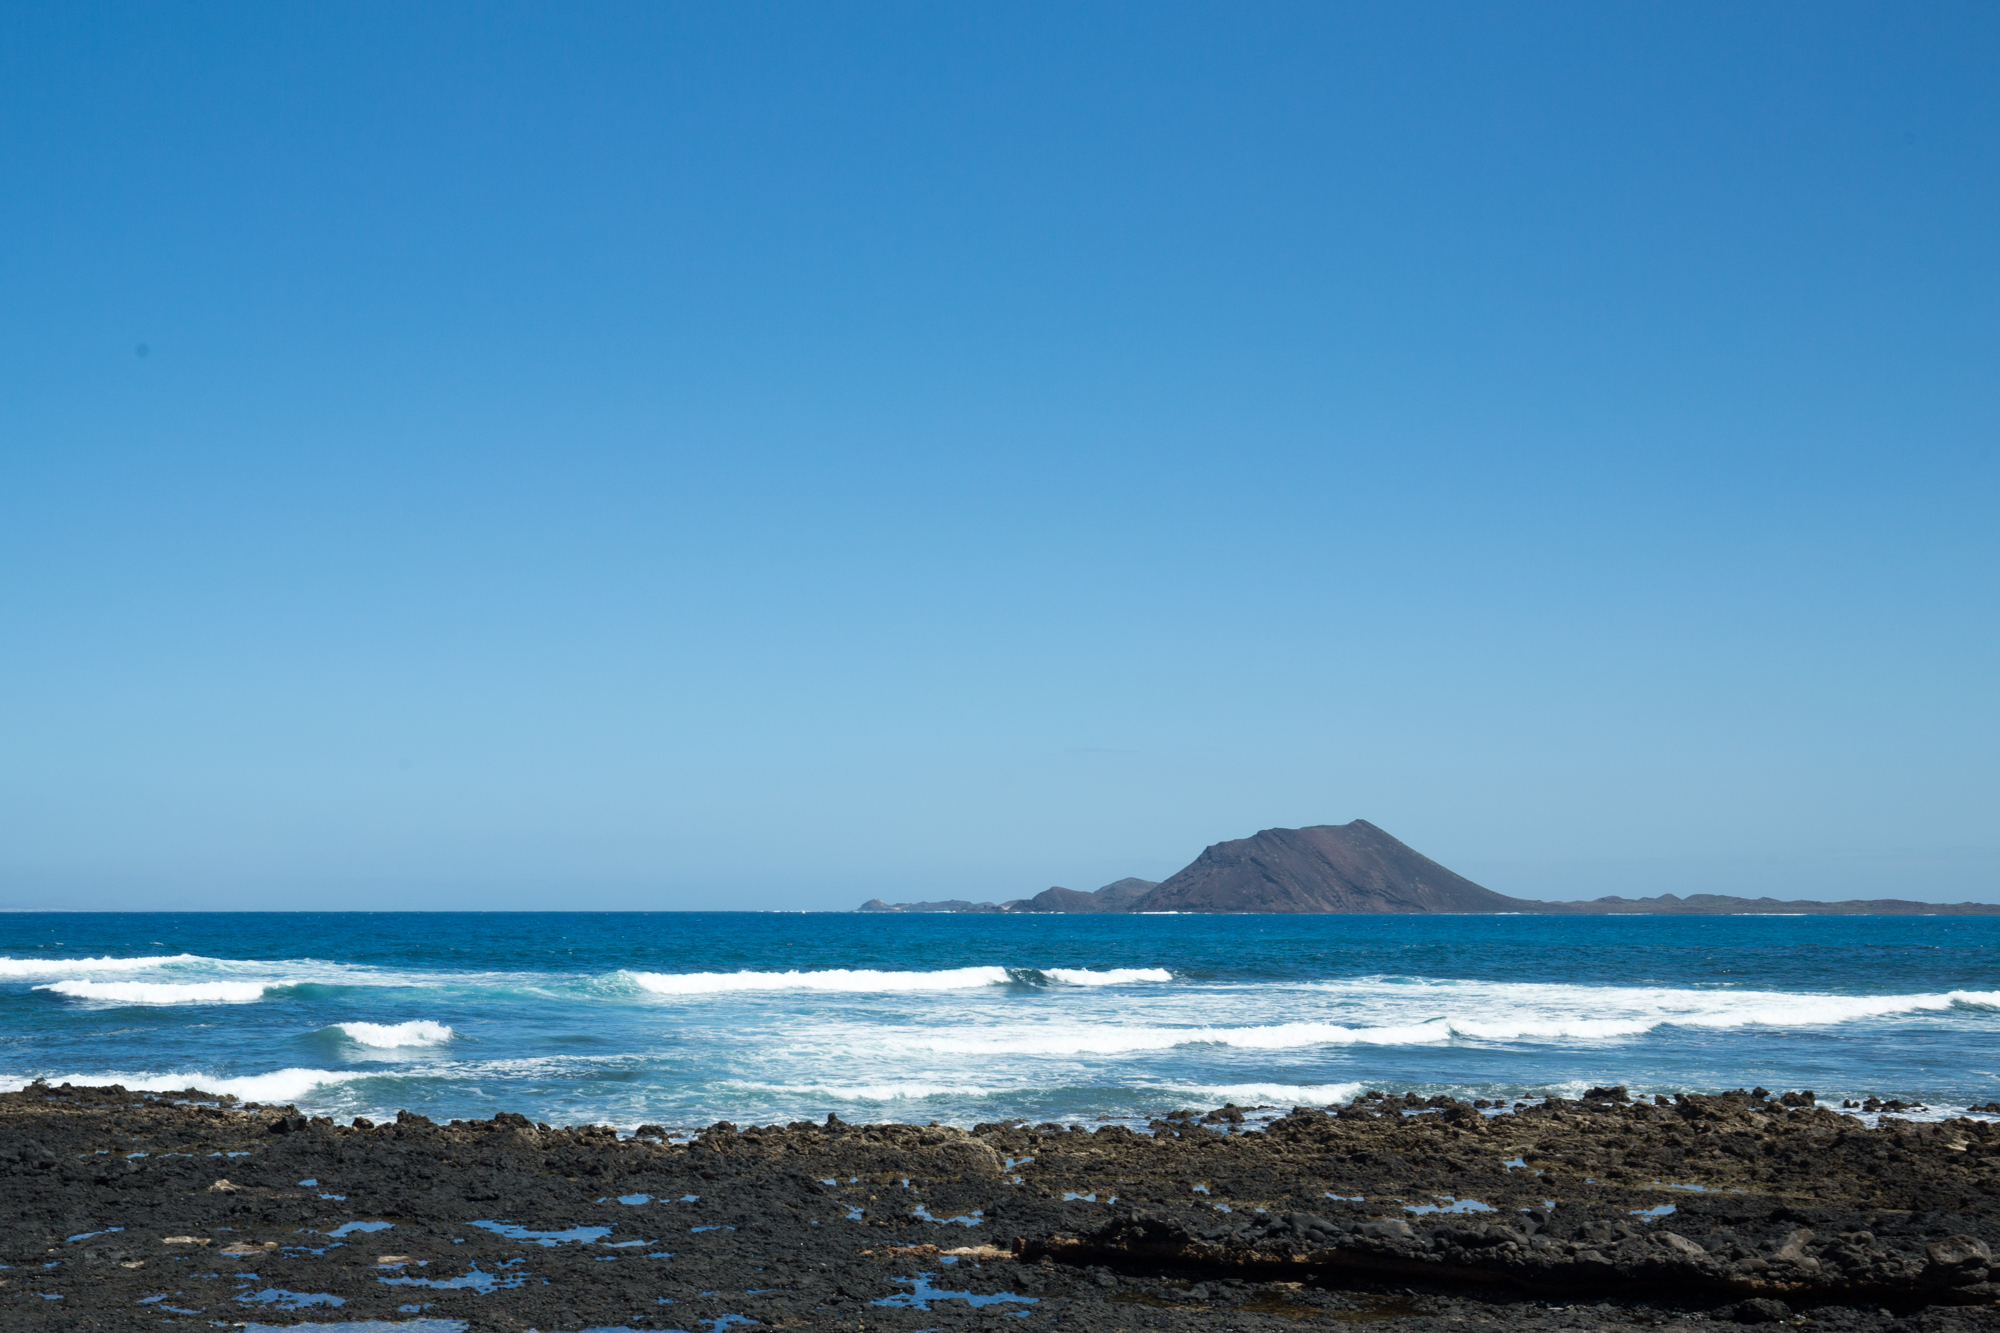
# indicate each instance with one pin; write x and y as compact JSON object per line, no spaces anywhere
{"x":1356,"y":867}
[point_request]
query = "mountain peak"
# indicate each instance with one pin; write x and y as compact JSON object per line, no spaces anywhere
{"x":1352,"y":867}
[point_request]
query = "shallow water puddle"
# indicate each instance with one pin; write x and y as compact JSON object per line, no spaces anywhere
{"x":289,"y":1300}
{"x":478,"y":1279}
{"x":514,"y":1232}
{"x":86,"y":1235}
{"x":349,"y":1228}
{"x":922,"y":1293}
{"x":1661,"y":1210}
{"x":978,"y":1215}
{"x":1451,"y":1205}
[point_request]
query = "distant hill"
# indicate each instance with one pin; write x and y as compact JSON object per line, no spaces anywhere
{"x":1356,"y":867}
{"x":947,"y":905}
{"x":1353,"y":867}
{"x":1116,"y":897}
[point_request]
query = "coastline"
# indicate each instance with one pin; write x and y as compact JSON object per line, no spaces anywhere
{"x":1731,"y":1208}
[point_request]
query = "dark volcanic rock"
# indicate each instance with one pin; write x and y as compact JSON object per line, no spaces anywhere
{"x":113,"y":1216}
{"x":1352,"y":867}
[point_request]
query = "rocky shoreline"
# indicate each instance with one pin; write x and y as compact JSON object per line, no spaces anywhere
{"x":146,"y":1210}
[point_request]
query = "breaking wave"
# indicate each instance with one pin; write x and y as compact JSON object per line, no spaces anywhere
{"x":280,"y":1085}
{"x":841,"y":979}
{"x":1499,"y":1018}
{"x":1117,"y":976}
{"x":42,"y":967}
{"x":390,"y":1036}
{"x":161,"y":992}
{"x":1281,"y":1094}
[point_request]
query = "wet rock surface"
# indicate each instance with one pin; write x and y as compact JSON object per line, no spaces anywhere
{"x":126,"y":1211}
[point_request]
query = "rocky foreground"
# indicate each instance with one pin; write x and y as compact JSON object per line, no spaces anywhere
{"x":140,"y":1211}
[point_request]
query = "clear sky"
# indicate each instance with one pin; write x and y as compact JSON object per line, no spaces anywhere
{"x":765,"y":456}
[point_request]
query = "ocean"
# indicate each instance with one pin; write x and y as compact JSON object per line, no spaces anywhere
{"x":682,"y":1019}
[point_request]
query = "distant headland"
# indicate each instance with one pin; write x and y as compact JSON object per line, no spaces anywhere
{"x":1356,"y":867}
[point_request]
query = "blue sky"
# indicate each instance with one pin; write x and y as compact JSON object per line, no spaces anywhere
{"x":768,"y":456}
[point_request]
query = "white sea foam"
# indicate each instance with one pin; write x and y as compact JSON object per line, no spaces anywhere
{"x":161,"y":992}
{"x":1529,"y":1011}
{"x":842,"y":979}
{"x":189,"y":968}
{"x":1393,"y":1015}
{"x":1280,"y":1094}
{"x":1116,"y":976}
{"x":1108,"y":1039}
{"x":280,"y":1085}
{"x":388,"y":1036}
{"x":839,"y":979}
{"x":44,"y":967}
{"x":871,"y":1092}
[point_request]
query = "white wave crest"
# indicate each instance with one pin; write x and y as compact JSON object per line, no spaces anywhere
{"x":161,"y":992}
{"x":1976,"y":999}
{"x":1517,"y":1011}
{"x":1280,"y":1094}
{"x":703,"y":983}
{"x":1116,"y":976}
{"x":388,"y":1036}
{"x":1393,"y":1015}
{"x":43,"y":967}
{"x":843,"y":979}
{"x":280,"y":1085}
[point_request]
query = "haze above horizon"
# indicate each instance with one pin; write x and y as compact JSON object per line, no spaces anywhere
{"x":770,"y":457}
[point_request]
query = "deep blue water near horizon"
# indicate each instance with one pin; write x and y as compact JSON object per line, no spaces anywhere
{"x":682,"y":1019}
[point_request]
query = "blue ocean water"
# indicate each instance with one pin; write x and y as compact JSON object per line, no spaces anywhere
{"x":681,"y":1019}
